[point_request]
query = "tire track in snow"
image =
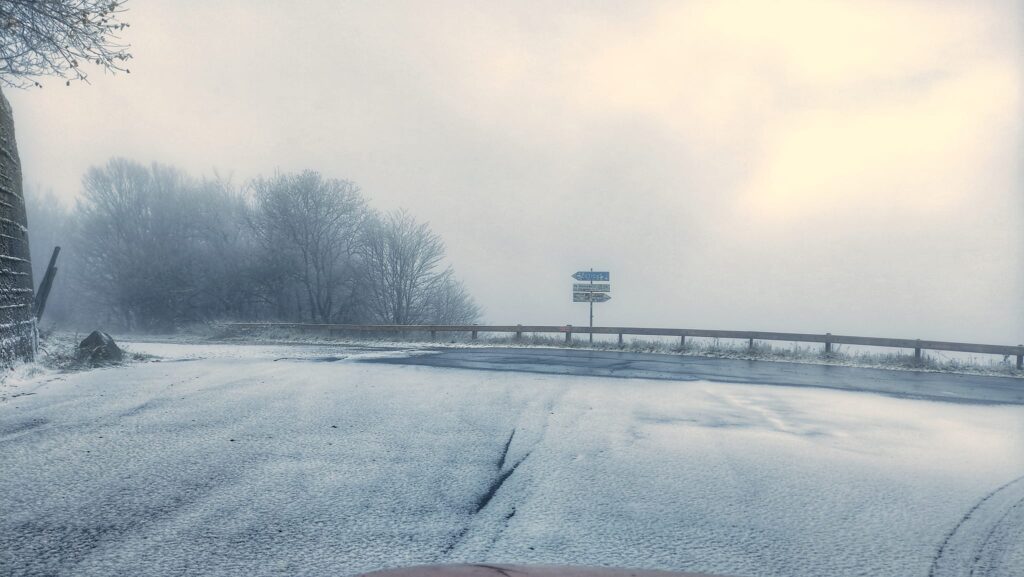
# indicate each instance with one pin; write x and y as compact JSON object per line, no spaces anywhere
{"x":496,"y":484}
{"x":985,"y":536}
{"x":503,"y":475}
{"x":487,"y":521}
{"x":504,"y":451}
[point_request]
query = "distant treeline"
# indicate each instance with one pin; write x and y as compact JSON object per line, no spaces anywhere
{"x":152,"y":249}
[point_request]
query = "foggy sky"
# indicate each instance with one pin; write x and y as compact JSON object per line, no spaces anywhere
{"x":851,"y":167}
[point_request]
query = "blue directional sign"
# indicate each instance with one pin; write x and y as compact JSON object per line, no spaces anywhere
{"x":592,"y":275}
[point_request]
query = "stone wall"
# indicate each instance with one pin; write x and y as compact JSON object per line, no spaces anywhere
{"x":17,"y":322}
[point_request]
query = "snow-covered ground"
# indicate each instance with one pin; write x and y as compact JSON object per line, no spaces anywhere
{"x":300,"y":460}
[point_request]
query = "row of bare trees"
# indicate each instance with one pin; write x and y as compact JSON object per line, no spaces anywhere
{"x":149,"y":248}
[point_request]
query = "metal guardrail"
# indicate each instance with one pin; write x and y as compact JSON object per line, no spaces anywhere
{"x":827,"y":339}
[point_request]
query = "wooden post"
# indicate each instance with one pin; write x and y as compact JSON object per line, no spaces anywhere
{"x":620,"y":340}
{"x":828,"y":344}
{"x":682,"y":341}
{"x":474,"y":335}
{"x":44,"y":287}
{"x":433,"y":335}
{"x":1020,"y":358}
{"x":568,"y":334}
{"x":519,"y":333}
{"x":750,"y":345}
{"x":917,"y":350}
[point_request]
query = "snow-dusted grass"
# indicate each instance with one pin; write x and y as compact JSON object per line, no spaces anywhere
{"x":13,"y":378}
{"x":842,"y":355}
{"x":57,"y":354}
{"x":237,"y":460}
{"x":59,"y":350}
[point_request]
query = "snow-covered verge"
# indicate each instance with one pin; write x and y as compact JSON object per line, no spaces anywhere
{"x":56,"y":354}
{"x":59,"y":351}
{"x":842,"y":355}
{"x":240,"y":460}
{"x":14,"y":378}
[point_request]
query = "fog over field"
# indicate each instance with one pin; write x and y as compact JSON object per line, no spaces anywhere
{"x":852,"y":167}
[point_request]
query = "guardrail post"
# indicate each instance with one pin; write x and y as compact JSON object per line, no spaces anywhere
{"x":917,"y":350}
{"x":828,"y":343}
{"x":433,"y":335}
{"x":568,"y":333}
{"x":682,"y":341}
{"x":620,"y":340}
{"x":1020,"y":358}
{"x":750,"y":344}
{"x":474,"y":335}
{"x":519,"y":333}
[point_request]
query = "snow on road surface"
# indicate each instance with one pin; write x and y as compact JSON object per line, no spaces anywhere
{"x":237,"y":460}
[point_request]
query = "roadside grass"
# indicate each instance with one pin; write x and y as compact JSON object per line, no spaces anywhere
{"x":58,"y":351}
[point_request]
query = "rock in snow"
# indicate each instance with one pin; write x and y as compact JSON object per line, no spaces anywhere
{"x":98,"y":349}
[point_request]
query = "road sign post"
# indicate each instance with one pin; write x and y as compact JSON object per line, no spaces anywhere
{"x":591,"y":293}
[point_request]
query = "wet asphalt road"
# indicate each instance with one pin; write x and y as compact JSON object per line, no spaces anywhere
{"x":898,"y":383}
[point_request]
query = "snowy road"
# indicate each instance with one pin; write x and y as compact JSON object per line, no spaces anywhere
{"x":906,"y":384}
{"x":249,"y":460}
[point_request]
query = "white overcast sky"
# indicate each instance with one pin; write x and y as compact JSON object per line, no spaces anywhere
{"x":852,"y":167}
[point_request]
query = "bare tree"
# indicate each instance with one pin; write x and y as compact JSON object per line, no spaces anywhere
{"x":450,"y":303}
{"x":224,"y":252}
{"x":153,"y":249}
{"x":316,"y":225}
{"x":136,"y":231}
{"x":41,"y":37}
{"x":56,"y":37}
{"x":406,"y":283}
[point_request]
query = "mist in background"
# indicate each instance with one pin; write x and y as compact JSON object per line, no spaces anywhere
{"x":851,"y":167}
